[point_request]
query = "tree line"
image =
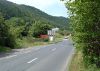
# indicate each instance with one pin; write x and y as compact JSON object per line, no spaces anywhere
{"x":85,"y":22}
{"x":22,"y":21}
{"x":14,"y":29}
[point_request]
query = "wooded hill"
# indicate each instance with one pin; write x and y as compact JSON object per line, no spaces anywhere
{"x":28,"y":13}
{"x":20,"y":24}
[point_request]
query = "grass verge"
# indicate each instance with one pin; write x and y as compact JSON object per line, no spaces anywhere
{"x":4,"y":49}
{"x":78,"y":65}
{"x":30,"y":42}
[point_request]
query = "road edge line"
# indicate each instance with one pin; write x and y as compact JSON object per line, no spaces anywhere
{"x":71,"y":54}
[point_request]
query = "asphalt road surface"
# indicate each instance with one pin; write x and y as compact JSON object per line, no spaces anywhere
{"x":52,"y":57}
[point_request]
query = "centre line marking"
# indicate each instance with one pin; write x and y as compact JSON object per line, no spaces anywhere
{"x":32,"y":60}
{"x":54,"y":49}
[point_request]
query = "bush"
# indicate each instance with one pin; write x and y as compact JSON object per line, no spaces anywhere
{"x":45,"y":40}
{"x":85,"y":20}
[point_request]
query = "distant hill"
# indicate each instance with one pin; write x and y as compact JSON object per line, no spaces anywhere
{"x":9,"y":9}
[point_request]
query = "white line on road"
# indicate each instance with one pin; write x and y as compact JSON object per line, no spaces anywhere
{"x":69,"y":60}
{"x":11,"y":56}
{"x":32,"y":60}
{"x":54,"y":49}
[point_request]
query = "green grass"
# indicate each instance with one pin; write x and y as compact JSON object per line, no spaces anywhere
{"x":30,"y":42}
{"x":26,"y":42}
{"x":78,"y":65}
{"x":4,"y":49}
{"x":56,"y":40}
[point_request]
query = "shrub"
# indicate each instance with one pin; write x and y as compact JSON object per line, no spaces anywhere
{"x":85,"y":20}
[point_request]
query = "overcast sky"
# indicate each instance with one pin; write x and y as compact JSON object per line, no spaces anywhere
{"x":52,"y":7}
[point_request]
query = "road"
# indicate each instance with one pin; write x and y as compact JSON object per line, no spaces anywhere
{"x":52,"y":57}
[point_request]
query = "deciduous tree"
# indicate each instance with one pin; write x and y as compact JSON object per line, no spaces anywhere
{"x":85,"y":21}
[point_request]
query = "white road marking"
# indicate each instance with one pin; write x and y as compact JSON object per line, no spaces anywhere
{"x":32,"y":60}
{"x":54,"y":49}
{"x":69,"y":60}
{"x":11,"y":56}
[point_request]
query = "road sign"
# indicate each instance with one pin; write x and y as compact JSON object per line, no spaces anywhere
{"x":51,"y":33}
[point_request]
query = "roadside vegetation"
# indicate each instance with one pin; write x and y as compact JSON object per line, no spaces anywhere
{"x":77,"y":64}
{"x":4,"y":49}
{"x":23,"y":26}
{"x":15,"y":33}
{"x":85,"y":23}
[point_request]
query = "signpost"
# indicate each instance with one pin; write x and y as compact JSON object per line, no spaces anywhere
{"x":51,"y":33}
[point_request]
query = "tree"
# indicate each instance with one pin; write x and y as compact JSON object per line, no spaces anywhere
{"x":2,"y":31}
{"x":16,"y":26}
{"x":6,"y":39}
{"x":40,"y":28}
{"x":85,"y":21}
{"x":27,"y":28}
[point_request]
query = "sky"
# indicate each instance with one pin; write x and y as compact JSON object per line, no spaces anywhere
{"x":51,"y":7}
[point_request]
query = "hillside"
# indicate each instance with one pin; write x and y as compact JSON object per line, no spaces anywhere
{"x":9,"y":9}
